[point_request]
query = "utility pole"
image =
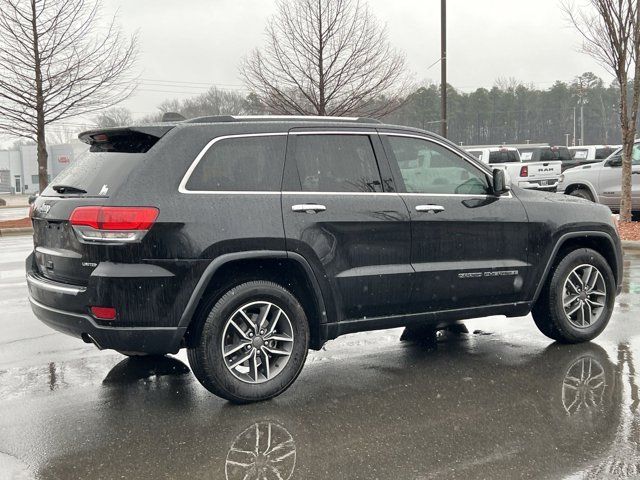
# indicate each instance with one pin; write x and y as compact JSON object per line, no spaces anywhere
{"x":443,"y":66}
{"x":574,"y":126}
{"x":581,"y":121}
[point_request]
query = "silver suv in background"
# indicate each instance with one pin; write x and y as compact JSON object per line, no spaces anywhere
{"x":602,"y":182}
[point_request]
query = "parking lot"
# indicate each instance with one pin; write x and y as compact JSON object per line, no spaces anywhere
{"x":499,"y":402}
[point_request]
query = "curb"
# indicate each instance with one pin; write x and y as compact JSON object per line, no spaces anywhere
{"x":6,"y":232}
{"x":631,"y":245}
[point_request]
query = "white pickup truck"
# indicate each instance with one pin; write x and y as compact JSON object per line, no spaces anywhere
{"x":531,"y":175}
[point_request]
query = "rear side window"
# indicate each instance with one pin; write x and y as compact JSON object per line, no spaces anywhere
{"x":529,"y":155}
{"x":504,"y":156}
{"x":241,"y":164}
{"x":337,"y":163}
{"x":580,"y":154}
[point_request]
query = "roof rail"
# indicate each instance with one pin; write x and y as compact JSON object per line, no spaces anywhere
{"x":278,"y":118}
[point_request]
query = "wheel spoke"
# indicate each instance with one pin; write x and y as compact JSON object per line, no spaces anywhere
{"x":266,"y":363}
{"x":587,"y":308}
{"x":247,"y":319}
{"x":573,"y":285}
{"x":570,"y":299}
{"x":275,"y":351}
{"x":264,"y":312}
{"x":598,"y":293}
{"x":573,"y":310}
{"x":586,"y":275}
{"x":275,"y":322}
{"x":238,"y":329}
{"x":279,"y":338}
{"x":593,"y":303}
{"x":580,"y":281}
{"x":254,"y":364}
{"x":236,"y":348}
{"x":241,"y":361}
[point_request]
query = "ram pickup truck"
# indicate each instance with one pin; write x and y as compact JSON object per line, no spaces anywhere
{"x":532,"y":175}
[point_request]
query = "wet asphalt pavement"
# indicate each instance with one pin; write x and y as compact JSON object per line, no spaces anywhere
{"x":501,"y":403}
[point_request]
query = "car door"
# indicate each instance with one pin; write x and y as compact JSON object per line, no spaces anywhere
{"x":469,"y":247}
{"x":610,"y":181}
{"x":341,"y":213}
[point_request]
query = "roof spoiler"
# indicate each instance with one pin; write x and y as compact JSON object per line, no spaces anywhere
{"x":102,"y":135}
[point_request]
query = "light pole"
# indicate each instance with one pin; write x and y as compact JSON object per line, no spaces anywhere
{"x":443,"y":66}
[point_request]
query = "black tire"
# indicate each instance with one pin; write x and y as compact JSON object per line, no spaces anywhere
{"x":206,"y":358}
{"x":582,"y":193}
{"x":548,"y":312}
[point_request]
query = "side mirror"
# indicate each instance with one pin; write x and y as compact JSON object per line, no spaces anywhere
{"x":500,"y":185}
{"x":615,"y":161}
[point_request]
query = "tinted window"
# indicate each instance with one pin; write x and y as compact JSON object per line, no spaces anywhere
{"x":337,"y":163}
{"x":504,"y":156}
{"x":602,"y":153}
{"x":241,"y":164}
{"x":427,"y":167}
{"x":561,"y":153}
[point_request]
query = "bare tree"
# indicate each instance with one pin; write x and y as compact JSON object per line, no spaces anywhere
{"x":113,"y":117}
{"x":56,"y":63}
{"x":326,"y":57}
{"x":611,"y":35}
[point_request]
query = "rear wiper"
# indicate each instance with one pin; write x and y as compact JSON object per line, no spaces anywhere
{"x":61,"y":189}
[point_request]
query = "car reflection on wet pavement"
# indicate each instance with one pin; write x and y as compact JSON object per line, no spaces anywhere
{"x":504,"y":402}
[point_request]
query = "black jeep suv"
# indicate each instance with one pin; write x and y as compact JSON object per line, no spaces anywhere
{"x":250,"y":240}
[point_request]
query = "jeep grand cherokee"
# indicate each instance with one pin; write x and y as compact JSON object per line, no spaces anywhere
{"x":250,"y":240}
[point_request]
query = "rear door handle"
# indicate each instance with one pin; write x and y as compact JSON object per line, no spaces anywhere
{"x":430,"y":208}
{"x":308,"y":208}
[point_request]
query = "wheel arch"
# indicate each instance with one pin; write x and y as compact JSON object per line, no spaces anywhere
{"x":601,"y":242}
{"x":569,"y":189}
{"x":287,"y":269}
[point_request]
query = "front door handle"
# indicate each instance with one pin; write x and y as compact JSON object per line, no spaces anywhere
{"x":308,"y":208}
{"x":430,"y":208}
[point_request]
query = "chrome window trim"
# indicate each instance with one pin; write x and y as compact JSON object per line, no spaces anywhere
{"x":334,"y":132}
{"x":182,"y":188}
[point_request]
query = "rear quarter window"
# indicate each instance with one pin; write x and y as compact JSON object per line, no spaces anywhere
{"x":240,"y":164}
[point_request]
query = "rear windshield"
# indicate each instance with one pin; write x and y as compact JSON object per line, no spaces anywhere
{"x":96,"y":173}
{"x":504,"y":156}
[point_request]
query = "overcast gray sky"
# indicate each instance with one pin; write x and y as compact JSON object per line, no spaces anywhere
{"x":202,"y":41}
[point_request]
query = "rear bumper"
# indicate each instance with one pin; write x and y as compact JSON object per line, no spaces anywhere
{"x":65,"y":308}
{"x":132,"y":339}
{"x":548,"y":185}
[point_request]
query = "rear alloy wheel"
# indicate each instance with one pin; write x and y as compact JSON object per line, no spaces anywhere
{"x":582,"y":193}
{"x":577,"y":301}
{"x":253,"y":343}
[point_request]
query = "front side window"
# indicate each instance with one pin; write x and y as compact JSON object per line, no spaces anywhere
{"x":427,"y":167}
{"x":337,"y":163}
{"x":241,"y":164}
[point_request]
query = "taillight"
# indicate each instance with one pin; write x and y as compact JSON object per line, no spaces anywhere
{"x":524,"y":171}
{"x":113,"y":224}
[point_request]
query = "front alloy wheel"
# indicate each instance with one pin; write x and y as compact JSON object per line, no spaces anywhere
{"x":577,"y":299}
{"x":584,"y":296}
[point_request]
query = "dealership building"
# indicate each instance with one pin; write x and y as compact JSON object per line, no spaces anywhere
{"x":19,"y":167}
